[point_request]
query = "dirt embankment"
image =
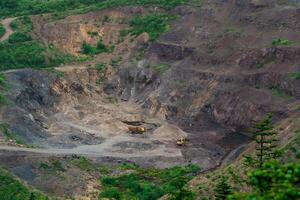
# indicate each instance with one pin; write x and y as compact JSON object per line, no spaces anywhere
{"x":8,"y":30}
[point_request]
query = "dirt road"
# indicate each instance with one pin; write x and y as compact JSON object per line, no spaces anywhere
{"x":8,"y":30}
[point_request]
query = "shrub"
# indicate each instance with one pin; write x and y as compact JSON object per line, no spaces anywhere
{"x":111,"y":193}
{"x":276,"y":91}
{"x":19,"y":37}
{"x":88,"y":49}
{"x":2,"y":80}
{"x":115,"y":62}
{"x":101,"y":67}
{"x":148,"y":184}
{"x":31,"y":7}
{"x":295,"y":75}
{"x":153,"y":24}
{"x":12,"y":189}
{"x":222,"y":189}
{"x":281,"y":42}
{"x":273,"y":181}
{"x":21,"y":55}
{"x":2,"y":30}
{"x":100,"y":48}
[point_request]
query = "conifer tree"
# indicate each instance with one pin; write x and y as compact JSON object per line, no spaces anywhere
{"x":265,"y":137}
{"x":222,"y":189}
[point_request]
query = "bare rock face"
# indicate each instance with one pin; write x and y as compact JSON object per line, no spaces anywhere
{"x":168,"y":52}
{"x":254,"y":3}
{"x":221,"y":75}
{"x":34,"y":101}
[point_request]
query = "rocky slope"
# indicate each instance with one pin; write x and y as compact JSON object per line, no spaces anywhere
{"x":221,"y":67}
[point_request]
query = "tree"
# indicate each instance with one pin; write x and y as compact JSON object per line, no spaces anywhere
{"x":273,"y":181}
{"x":222,"y":189}
{"x":265,"y":137}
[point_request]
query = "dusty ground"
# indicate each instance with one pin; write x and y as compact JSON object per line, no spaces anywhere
{"x":8,"y":30}
{"x":98,"y":126}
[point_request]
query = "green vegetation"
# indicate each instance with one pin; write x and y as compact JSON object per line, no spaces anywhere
{"x":160,"y":68}
{"x":279,"y":92}
{"x":2,"y":30}
{"x":19,"y":37}
{"x":292,"y":150}
{"x":278,"y":178}
{"x":2,"y":80}
{"x":32,"y":7}
{"x":52,"y":167}
{"x":295,"y":75}
{"x":12,"y":189}
{"x":116,"y":61}
{"x":22,"y":24}
{"x":3,"y":86}
{"x":21,"y":55}
{"x":222,"y":189}
{"x":149,"y":184}
{"x":3,"y":100}
{"x":153,"y":24}
{"x":265,"y":138}
{"x":101,"y":67}
{"x":260,"y":65}
{"x":82,"y":163}
{"x":281,"y":42}
{"x":273,"y":181}
{"x":100,"y":48}
{"x":21,"y":51}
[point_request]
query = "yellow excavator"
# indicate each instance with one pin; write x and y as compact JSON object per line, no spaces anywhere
{"x":182,"y":141}
{"x":137,"y":129}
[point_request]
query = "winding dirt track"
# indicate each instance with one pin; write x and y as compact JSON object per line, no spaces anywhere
{"x":8,"y":30}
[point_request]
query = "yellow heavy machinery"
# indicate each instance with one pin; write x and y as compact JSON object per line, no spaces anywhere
{"x":182,"y":141}
{"x":137,"y":129}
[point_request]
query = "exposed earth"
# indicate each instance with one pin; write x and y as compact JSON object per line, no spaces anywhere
{"x":223,"y":74}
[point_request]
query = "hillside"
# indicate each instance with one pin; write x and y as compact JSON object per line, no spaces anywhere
{"x":77,"y":75}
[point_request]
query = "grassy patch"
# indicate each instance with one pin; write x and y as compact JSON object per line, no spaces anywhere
{"x":116,"y":61}
{"x":153,"y":24}
{"x":2,"y":30}
{"x":160,"y":68}
{"x":12,"y":189}
{"x":82,"y":163}
{"x":3,"y":100}
{"x":259,"y":65}
{"x":52,"y":167}
{"x":280,"y":93}
{"x":295,"y":75}
{"x":3,"y":86}
{"x":101,"y":67}
{"x":292,"y":150}
{"x":147,"y":184}
{"x":2,"y":80}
